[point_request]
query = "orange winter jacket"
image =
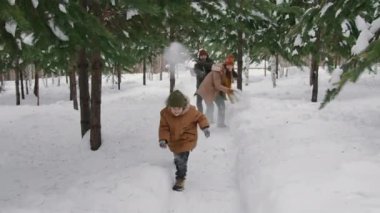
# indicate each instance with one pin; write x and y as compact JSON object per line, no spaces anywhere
{"x":181,"y":131}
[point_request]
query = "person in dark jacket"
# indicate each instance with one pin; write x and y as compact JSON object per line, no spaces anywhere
{"x":201,"y":68}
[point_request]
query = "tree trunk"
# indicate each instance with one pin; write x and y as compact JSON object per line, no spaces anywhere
{"x":1,"y":82}
{"x":172,"y":77}
{"x":96,"y":92}
{"x":66,"y":77}
{"x":118,"y":70}
{"x":272,"y":62}
{"x":73,"y":85}
{"x":265,"y":67}
{"x":59,"y":78}
{"x":277,"y":66}
{"x":22,"y":83}
{"x":84,"y":93}
{"x":36,"y":85}
{"x":240,"y":60}
{"x":314,"y":69}
{"x":26,"y":87}
{"x":17,"y":82}
{"x":314,"y":78}
{"x":144,"y":72}
{"x":161,"y":67}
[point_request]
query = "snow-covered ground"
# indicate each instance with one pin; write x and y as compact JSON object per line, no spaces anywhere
{"x":280,"y":153}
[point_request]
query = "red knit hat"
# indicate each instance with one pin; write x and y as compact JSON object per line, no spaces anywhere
{"x":203,"y":52}
{"x":229,"y":60}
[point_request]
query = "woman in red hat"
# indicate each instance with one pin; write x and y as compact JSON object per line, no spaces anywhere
{"x":214,"y":88}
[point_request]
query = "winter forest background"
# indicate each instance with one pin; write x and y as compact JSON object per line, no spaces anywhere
{"x":102,"y":57}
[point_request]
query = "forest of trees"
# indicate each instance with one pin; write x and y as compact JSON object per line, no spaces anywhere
{"x":84,"y":39}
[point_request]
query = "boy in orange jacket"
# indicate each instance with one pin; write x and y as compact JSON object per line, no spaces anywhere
{"x":178,"y":130}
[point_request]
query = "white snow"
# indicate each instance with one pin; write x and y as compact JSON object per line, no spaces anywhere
{"x":10,"y":27}
{"x":131,"y":13}
{"x":338,"y":12}
{"x":368,"y":31}
{"x":28,"y":38}
{"x":12,"y":2}
{"x":362,"y":42}
{"x":375,"y":26}
{"x":57,"y":31}
{"x":335,"y":77}
{"x":345,"y":28}
{"x":298,"y":41}
{"x":197,"y":8}
{"x":280,"y":153}
{"x":176,"y":53}
{"x":126,"y":33}
{"x":311,"y":33}
{"x":35,"y":3}
{"x":62,"y":8}
{"x":361,"y":24}
{"x":325,"y":8}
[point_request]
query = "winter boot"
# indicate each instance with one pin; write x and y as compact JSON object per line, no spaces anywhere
{"x":179,"y":184}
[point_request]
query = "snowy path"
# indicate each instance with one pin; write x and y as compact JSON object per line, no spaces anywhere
{"x":211,"y":183}
{"x":280,"y":153}
{"x":212,"y":179}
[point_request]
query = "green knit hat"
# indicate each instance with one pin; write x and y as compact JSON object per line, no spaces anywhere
{"x":177,"y":99}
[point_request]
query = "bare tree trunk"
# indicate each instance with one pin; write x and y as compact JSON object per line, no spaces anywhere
{"x":272,"y":62}
{"x":59,"y":78}
{"x":172,"y":77}
{"x":36,"y":85}
{"x":161,"y":67}
{"x":17,"y":81}
{"x":21,"y":82}
{"x":113,"y":70}
{"x":52,"y":75}
{"x":66,"y":77}
{"x":45,"y":79}
{"x":144,"y":72}
{"x":73,"y":85}
{"x":314,"y":70}
{"x":84,"y":93}
{"x":265,"y":67}
{"x":1,"y":82}
{"x":314,"y":78}
{"x":27,"y":78}
{"x":118,"y":70}
{"x":240,"y":60}
{"x":277,"y":66}
{"x":96,"y":92}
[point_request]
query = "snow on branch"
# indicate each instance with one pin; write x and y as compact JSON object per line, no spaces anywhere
{"x":131,"y":13}
{"x":10,"y":27}
{"x":367,"y":32}
{"x":35,"y":3}
{"x":57,"y":31}
{"x":325,"y":8}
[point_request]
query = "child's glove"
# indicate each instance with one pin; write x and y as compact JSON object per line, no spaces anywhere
{"x":163,"y":144}
{"x":206,"y":131}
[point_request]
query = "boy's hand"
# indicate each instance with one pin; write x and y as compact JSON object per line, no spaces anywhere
{"x":206,"y":131}
{"x":163,"y":144}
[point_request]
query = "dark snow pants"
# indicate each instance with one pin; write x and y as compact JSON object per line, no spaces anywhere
{"x":180,"y":161}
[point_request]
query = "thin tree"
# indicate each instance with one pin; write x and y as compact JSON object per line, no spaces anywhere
{"x":84,"y":94}
{"x":96,"y":91}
